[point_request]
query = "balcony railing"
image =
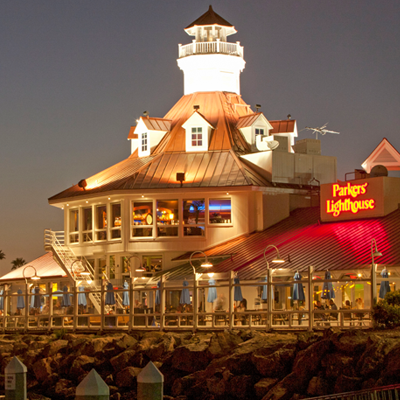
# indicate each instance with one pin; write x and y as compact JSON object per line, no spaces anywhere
{"x":218,"y":47}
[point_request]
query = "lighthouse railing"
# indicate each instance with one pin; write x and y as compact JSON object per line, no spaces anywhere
{"x":217,"y":47}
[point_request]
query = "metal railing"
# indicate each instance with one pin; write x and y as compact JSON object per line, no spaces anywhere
{"x":391,"y":392}
{"x":218,"y":47}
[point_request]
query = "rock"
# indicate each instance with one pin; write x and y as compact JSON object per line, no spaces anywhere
{"x":58,"y":346}
{"x":95,"y":346}
{"x":115,"y":396}
{"x":65,"y":388}
{"x":126,"y":342}
{"x":336,"y":364}
{"x":318,"y":387}
{"x":42,"y":369}
{"x":20,"y":348}
{"x":351,"y":342}
{"x":35,"y":396}
{"x":122,"y":360}
{"x":347,"y":384}
{"x":182,"y":385}
{"x":262,"y":387}
{"x":81,"y":365}
{"x":276,"y":365}
{"x":190,"y":358}
{"x":127,"y":377}
{"x":241,"y":387}
{"x":217,"y":387}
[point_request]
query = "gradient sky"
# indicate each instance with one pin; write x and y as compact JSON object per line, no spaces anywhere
{"x":75,"y":75}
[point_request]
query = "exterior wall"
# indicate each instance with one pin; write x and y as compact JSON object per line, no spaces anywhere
{"x":211,"y":72}
{"x":275,"y":209}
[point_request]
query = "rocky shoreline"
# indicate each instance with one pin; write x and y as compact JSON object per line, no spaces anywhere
{"x":210,"y":366}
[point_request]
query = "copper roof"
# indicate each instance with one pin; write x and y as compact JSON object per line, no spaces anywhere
{"x":46,"y":267}
{"x":247,"y":120}
{"x":156,"y":124}
{"x":325,"y":246}
{"x":132,"y":134}
{"x":209,"y":18}
{"x":284,"y":126}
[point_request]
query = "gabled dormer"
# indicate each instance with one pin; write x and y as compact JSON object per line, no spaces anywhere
{"x":254,"y":128}
{"x":197,"y":132}
{"x":384,"y":154}
{"x":149,"y":133}
{"x":134,"y":138}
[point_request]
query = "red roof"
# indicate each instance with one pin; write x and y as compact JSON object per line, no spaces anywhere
{"x":284,"y":126}
{"x":209,"y":18}
{"x":325,"y":246}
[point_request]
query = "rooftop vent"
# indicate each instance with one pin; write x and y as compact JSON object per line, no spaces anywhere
{"x":196,"y":107}
{"x":258,"y":106}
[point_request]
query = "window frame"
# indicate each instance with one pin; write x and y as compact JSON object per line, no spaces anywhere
{"x":74,"y":233}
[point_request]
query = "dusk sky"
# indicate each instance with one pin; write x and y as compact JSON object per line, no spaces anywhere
{"x":75,"y":75}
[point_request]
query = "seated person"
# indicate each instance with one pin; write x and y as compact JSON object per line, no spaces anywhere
{"x":319,"y":306}
{"x":333,"y":306}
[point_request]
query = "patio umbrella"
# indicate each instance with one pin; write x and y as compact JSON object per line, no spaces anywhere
{"x":32,"y":297}
{"x":212,"y":292}
{"x":37,"y":303}
{"x":82,"y":297}
{"x":110,"y":298}
{"x":158,"y":297}
{"x":298,"y":291}
{"x":1,"y":300}
{"x":125,"y":295}
{"x":327,"y":288}
{"x":385,"y":287}
{"x":264,"y":294}
{"x":237,"y":293}
{"x":20,"y":300}
{"x":66,"y":297}
{"x":185,"y":295}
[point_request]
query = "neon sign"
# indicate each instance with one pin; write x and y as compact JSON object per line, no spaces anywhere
{"x":347,"y":199}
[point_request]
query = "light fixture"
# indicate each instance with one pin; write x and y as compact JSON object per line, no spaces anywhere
{"x":140,"y":268}
{"x":205,"y":264}
{"x":85,"y":272}
{"x":276,"y":260}
{"x":34,"y":277}
{"x":142,"y":195}
{"x":210,"y":274}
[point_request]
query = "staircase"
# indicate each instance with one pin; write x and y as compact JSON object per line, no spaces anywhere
{"x":54,"y":241}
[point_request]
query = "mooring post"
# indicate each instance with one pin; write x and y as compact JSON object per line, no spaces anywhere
{"x":15,"y":380}
{"x":150,"y":383}
{"x":92,"y":387}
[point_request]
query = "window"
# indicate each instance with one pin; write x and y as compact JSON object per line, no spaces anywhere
{"x":144,"y":141}
{"x":197,"y":137}
{"x":116,"y":221}
{"x":259,"y":131}
{"x":112,"y":268}
{"x":101,"y":223}
{"x":87,"y":233}
{"x":152,"y":263}
{"x":142,"y":218}
{"x":193,"y":217}
{"x":74,"y":226}
{"x":220,"y":211}
{"x":167,"y":218}
{"x":101,"y":268}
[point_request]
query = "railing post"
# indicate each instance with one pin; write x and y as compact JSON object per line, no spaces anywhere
{"x":194,"y":46}
{"x":310,"y":298}
{"x":162,"y":301}
{"x":26,"y":306}
{"x":5,"y":304}
{"x":102,"y":304}
{"x":15,"y":380}
{"x":269,"y":298}
{"x":231,"y":297}
{"x":218,"y":45}
{"x":75,"y":296}
{"x":49,"y":291}
{"x":179,"y":50}
{"x":195,"y":301}
{"x":131,"y":304}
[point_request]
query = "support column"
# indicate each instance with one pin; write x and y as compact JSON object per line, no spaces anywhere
{"x":310,"y":298}
{"x":195,"y":301}
{"x":269,"y":298}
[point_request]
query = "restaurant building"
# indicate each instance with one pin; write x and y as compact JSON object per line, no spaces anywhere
{"x":214,"y":176}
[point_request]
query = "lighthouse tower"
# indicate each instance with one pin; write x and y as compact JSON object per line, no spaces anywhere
{"x":210,"y":63}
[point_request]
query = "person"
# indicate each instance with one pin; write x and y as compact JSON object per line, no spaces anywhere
{"x":301,"y":307}
{"x":319,"y":306}
{"x":347,"y":305}
{"x":219,"y":303}
{"x":242,"y":308}
{"x":359,"y":306}
{"x":333,"y":306}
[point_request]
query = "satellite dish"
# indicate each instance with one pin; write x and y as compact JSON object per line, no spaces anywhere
{"x":378,"y":170}
{"x":273,"y":144}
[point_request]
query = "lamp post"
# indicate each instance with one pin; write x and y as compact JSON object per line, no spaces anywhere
{"x":85,"y":272}
{"x":140,"y":269}
{"x":374,"y":253}
{"x":34,"y":278}
{"x":205,"y":264}
{"x":276,"y":260}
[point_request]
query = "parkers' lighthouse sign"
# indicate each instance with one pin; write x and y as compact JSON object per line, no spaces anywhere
{"x":360,"y":198}
{"x":347,"y":199}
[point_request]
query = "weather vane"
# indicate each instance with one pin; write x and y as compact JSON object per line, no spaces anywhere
{"x":320,"y":130}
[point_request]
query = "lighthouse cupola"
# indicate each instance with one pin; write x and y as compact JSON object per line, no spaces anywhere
{"x":210,"y":63}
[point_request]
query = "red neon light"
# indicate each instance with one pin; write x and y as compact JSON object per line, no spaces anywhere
{"x":348,"y":204}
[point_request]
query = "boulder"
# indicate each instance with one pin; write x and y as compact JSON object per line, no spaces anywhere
{"x":276,"y":365}
{"x":336,"y":364}
{"x":262,"y":387}
{"x":127,"y":377}
{"x":58,"y":346}
{"x":347,"y":384}
{"x":318,"y":387}
{"x":190,"y":358}
{"x":122,"y":360}
{"x":42,"y":369}
{"x":80,"y":366}
{"x":241,"y":387}
{"x":126,"y":342}
{"x":350,"y":342}
{"x":65,"y":389}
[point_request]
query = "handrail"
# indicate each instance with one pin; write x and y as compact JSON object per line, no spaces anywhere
{"x":218,"y":47}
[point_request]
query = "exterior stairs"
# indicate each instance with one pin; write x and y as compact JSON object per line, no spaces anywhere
{"x":54,"y":241}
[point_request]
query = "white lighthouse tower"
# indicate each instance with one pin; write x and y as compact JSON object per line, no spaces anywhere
{"x":210,"y":63}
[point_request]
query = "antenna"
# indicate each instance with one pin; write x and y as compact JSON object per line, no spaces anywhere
{"x":321,"y":130}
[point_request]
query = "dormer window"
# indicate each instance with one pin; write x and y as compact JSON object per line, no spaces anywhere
{"x":198,"y":132}
{"x":197,"y":137}
{"x":259,"y":131}
{"x":144,"y":142}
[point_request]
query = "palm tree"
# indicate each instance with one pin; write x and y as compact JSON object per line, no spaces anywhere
{"x":17,"y":263}
{"x":2,"y":255}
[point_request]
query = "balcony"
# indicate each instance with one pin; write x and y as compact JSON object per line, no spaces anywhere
{"x":218,"y":47}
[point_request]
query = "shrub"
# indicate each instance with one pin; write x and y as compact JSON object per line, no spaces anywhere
{"x":387,"y":312}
